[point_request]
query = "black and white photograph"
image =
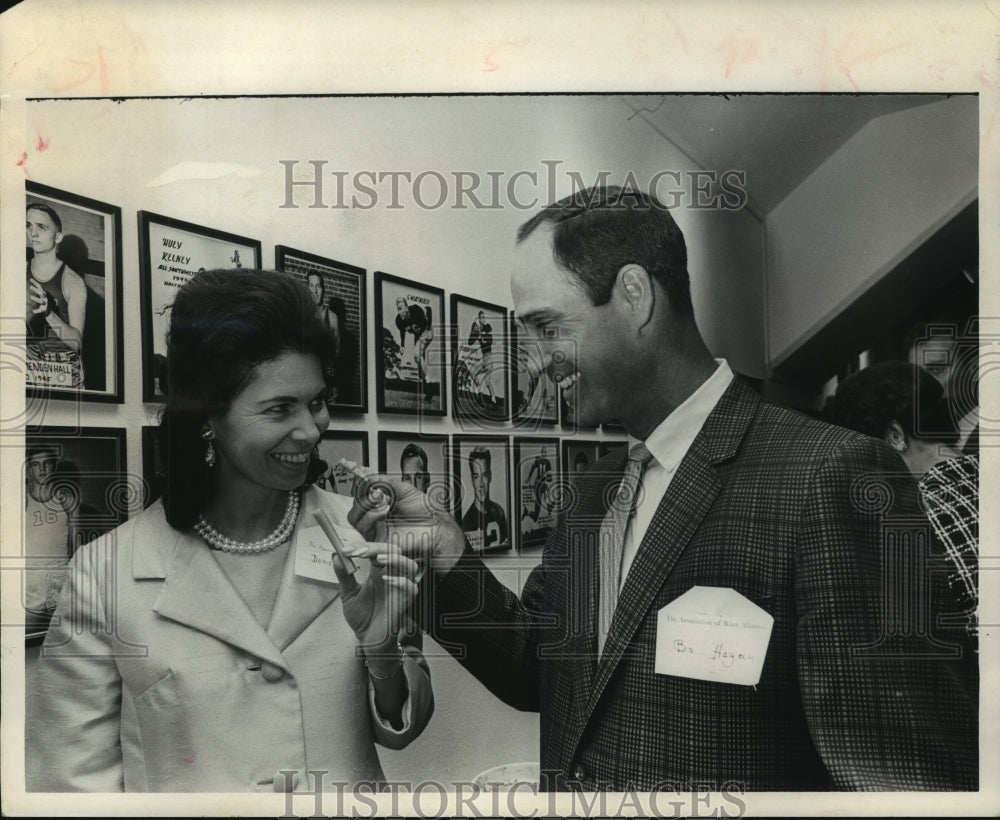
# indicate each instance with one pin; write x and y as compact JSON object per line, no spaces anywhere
{"x":480,"y":360}
{"x":339,"y":290}
{"x":579,"y":455}
{"x":737,"y":256}
{"x":76,"y":489}
{"x":534,"y":395}
{"x":335,"y":445}
{"x":171,"y":251}
{"x":481,"y":466}
{"x":410,"y":344}
{"x":537,"y":491}
{"x":420,"y":459}
{"x":73,"y":284}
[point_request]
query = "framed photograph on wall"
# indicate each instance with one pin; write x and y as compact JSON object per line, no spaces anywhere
{"x":422,"y":460}
{"x":536,"y":493}
{"x":339,"y":291}
{"x":608,"y":445}
{"x":76,"y":489}
{"x":578,"y":455}
{"x":481,"y":466}
{"x":170,"y":253}
{"x":480,"y":360}
{"x":410,"y":347}
{"x":335,"y":445}
{"x":534,"y":398}
{"x":74,"y":346}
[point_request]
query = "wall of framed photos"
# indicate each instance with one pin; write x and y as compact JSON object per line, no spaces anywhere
{"x":295,"y":184}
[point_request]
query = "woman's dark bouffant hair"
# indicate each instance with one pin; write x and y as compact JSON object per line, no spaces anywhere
{"x":224,"y":324}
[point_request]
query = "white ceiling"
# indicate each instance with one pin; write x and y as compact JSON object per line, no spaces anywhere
{"x":778,"y":139}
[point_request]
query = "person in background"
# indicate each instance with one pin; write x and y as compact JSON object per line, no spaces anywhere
{"x":905,"y":406}
{"x":413,"y":466}
{"x":345,"y":368}
{"x":187,"y":653}
{"x":485,"y":522}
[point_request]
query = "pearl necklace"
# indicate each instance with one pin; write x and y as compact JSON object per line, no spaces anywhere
{"x":217,"y":541}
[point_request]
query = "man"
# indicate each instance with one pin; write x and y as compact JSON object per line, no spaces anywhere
{"x":415,"y":320}
{"x":756,"y":542}
{"x":481,"y":331}
{"x":485,"y":522}
{"x":413,"y":466}
{"x":48,"y":533}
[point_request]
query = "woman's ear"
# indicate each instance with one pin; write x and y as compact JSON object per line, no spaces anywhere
{"x":896,"y":438}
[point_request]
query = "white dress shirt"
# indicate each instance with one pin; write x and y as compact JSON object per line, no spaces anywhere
{"x":668,"y":444}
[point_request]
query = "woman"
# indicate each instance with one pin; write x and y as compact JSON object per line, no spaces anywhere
{"x":906,"y":406}
{"x":187,"y":652}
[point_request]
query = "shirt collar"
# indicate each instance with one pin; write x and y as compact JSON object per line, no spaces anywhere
{"x":671,"y":439}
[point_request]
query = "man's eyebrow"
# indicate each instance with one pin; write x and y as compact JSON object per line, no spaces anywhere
{"x":538,"y":316}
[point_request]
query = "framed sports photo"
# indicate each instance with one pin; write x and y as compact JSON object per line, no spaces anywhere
{"x":410,"y":345}
{"x":578,"y":455}
{"x":480,"y":360}
{"x":76,"y":489}
{"x":534,"y":398}
{"x":170,"y":253}
{"x":481,"y":465}
{"x":74,"y":346}
{"x":422,"y":460}
{"x":339,"y":291}
{"x":536,"y":489}
{"x":335,"y":445}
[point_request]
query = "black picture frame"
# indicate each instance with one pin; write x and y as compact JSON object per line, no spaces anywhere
{"x":410,"y":374}
{"x":534,"y":401}
{"x":438,"y":483}
{"x":480,"y":359}
{"x":90,"y":246}
{"x":572,"y":449}
{"x":344,"y":305}
{"x":153,"y":467}
{"x":335,"y":445}
{"x":89,"y":492}
{"x":536,"y":489}
{"x":489,"y":534}
{"x":182,"y":248}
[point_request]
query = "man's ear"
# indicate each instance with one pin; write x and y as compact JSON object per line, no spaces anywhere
{"x":635,"y":288}
{"x":896,"y":438}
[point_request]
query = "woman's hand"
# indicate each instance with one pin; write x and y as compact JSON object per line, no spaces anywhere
{"x":376,"y":609}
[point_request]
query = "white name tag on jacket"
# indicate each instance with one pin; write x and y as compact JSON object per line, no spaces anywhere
{"x":713,"y":634}
{"x":314,"y":552}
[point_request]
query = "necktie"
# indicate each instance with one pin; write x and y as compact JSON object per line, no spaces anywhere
{"x":612,"y":541}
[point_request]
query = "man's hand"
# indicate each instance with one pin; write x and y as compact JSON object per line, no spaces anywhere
{"x":391,"y":511}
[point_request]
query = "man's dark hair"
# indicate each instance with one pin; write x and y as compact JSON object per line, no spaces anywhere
{"x":412,"y":450}
{"x":46,"y":209}
{"x":598,"y":230}
{"x":483,"y":455}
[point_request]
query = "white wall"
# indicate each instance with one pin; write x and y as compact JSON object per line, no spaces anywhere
{"x":120,"y":153}
{"x":887,"y":189}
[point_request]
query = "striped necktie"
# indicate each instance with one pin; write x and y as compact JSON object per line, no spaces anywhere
{"x":612,"y":541}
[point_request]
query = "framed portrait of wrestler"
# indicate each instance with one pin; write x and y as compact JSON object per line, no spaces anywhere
{"x":73,"y":297}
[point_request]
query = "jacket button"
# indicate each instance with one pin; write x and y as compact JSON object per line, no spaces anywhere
{"x":271,"y":672}
{"x":579,"y":772}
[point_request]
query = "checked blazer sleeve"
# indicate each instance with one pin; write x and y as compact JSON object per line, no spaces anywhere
{"x":885,"y":704}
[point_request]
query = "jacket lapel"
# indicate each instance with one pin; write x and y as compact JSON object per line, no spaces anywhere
{"x":688,"y":499}
{"x":300,"y":600}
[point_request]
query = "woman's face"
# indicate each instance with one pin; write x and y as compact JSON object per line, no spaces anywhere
{"x":266,"y":436}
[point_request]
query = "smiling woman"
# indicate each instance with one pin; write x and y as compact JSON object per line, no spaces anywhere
{"x":188,"y":653}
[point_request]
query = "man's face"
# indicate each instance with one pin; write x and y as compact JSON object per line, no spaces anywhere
{"x":41,"y":467}
{"x":579,"y":342}
{"x":413,"y":473}
{"x":480,"y":480}
{"x":316,"y":288}
{"x":40,"y":230}
{"x":401,"y":307}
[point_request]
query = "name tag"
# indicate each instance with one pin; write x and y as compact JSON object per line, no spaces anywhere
{"x":314,"y":552}
{"x":713,"y":634}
